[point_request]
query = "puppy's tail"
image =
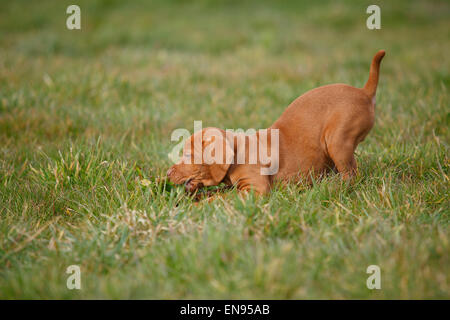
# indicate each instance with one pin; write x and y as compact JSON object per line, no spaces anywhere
{"x":371,"y":85}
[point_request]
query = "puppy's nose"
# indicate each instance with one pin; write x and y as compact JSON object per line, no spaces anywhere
{"x":169,"y":172}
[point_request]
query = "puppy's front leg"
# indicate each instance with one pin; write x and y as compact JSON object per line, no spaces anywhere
{"x":249,"y":177}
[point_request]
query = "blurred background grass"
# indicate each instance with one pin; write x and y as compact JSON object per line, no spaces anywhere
{"x":86,"y":115}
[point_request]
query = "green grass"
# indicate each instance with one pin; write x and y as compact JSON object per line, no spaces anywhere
{"x":86,"y":116}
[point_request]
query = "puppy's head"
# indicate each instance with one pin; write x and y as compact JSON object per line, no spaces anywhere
{"x":207,"y":156}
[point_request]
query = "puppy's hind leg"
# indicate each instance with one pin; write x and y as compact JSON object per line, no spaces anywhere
{"x":343,"y":157}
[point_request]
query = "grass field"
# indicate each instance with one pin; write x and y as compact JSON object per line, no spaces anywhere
{"x":85,"y":124}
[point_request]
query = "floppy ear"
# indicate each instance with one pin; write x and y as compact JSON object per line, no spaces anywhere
{"x":219,"y":168}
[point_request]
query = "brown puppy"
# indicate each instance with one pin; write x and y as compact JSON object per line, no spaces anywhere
{"x":319,"y":131}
